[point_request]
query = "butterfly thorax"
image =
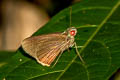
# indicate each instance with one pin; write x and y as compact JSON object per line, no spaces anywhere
{"x":68,"y":42}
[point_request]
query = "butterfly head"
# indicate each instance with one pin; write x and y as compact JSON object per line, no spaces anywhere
{"x":72,"y":31}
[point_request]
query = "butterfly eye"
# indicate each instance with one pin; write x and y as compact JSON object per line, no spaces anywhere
{"x":72,"y":32}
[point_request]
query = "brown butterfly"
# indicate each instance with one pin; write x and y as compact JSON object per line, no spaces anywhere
{"x":45,"y":48}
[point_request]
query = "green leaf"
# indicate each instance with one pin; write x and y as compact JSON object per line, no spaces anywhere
{"x":98,"y":25}
{"x":4,"y":56}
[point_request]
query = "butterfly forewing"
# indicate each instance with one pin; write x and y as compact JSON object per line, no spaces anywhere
{"x":44,"y":48}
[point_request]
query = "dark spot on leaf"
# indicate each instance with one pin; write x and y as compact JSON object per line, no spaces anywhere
{"x":85,"y":31}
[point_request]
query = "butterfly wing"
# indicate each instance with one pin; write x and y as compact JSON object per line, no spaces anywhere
{"x":49,"y":57}
{"x":44,"y":48}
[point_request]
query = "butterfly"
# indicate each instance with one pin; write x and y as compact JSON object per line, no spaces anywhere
{"x":45,"y":48}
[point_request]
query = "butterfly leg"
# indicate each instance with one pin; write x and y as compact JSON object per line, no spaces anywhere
{"x":77,"y":46}
{"x":78,"y":53}
{"x":57,"y":59}
{"x":73,"y":45}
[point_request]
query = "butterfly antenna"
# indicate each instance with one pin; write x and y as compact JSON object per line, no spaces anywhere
{"x":57,"y":60}
{"x":70,"y":15}
{"x":79,"y":54}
